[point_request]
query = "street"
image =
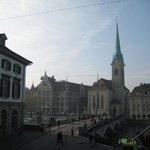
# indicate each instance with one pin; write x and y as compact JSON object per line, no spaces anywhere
{"x":49,"y":141}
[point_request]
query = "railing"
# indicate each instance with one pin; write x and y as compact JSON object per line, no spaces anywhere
{"x":97,"y":138}
{"x":143,"y":138}
{"x":95,"y":126}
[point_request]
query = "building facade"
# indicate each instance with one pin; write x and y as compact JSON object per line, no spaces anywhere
{"x":110,"y":97}
{"x":61,"y":97}
{"x":12,"y":83}
{"x":140,"y":102}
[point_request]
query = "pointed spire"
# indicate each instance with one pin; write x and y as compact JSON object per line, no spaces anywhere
{"x":45,"y":74}
{"x":67,"y":77}
{"x":117,"y":53}
{"x":97,"y":75}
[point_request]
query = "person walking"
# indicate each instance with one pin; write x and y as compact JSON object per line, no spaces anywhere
{"x":60,"y":137}
{"x":91,"y":140}
{"x":72,"y":131}
{"x":49,"y":126}
{"x":42,"y":127}
{"x":58,"y":123}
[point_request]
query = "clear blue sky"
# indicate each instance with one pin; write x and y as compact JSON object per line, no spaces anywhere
{"x":79,"y":42}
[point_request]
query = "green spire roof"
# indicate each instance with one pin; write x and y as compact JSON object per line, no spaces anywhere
{"x":117,"y":53}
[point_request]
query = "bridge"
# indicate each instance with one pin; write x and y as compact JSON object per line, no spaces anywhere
{"x":107,"y":126}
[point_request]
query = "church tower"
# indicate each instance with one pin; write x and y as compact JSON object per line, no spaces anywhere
{"x":118,"y":69}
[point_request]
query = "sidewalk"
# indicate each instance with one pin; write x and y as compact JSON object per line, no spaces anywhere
{"x":13,"y":142}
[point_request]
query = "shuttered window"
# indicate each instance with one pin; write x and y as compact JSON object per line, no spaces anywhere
{"x":6,"y":64}
{"x":16,"y":69}
{"x":16,"y":88}
{"x":5,"y":86}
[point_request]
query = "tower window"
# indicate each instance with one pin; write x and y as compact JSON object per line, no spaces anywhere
{"x":116,"y":71}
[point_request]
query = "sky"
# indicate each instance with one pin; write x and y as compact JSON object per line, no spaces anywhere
{"x":74,"y":40}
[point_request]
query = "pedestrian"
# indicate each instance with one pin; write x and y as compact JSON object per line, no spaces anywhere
{"x":58,"y":123}
{"x":72,"y":131}
{"x":42,"y":127}
{"x":49,"y":126}
{"x":21,"y":128}
{"x":91,"y":139}
{"x":72,"y":120}
{"x":95,"y":137}
{"x":60,"y":137}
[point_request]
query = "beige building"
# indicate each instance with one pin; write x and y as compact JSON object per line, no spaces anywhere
{"x":61,"y":97}
{"x":110,"y":97}
{"x":140,"y":102}
{"x":12,"y":83}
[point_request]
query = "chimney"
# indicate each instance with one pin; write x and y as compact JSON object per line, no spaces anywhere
{"x":3,"y":38}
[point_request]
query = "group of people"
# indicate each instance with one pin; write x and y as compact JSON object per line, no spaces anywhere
{"x":61,"y":138}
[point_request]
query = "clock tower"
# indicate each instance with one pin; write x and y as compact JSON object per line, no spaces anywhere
{"x":118,"y":69}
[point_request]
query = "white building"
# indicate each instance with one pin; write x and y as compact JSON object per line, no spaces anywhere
{"x":140,"y":102}
{"x":61,"y":97}
{"x":12,"y":83}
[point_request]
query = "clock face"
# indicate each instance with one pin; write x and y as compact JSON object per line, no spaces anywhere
{"x":117,"y":63}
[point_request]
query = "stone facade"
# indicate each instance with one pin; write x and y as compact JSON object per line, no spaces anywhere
{"x":110,"y":97}
{"x":140,"y":102}
{"x":61,"y":97}
{"x":12,"y":83}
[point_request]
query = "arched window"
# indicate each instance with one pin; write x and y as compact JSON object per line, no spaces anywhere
{"x":3,"y":120}
{"x":14,"y":118}
{"x":116,"y":71}
{"x":97,"y":100}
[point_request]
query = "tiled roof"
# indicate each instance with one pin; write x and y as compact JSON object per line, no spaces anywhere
{"x":6,"y":51}
{"x":143,"y":89}
{"x":102,"y":84}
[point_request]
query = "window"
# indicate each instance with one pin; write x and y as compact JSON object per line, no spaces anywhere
{"x":133,"y":107}
{"x":5,"y":86}
{"x":17,"y":69}
{"x":16,"y":88}
{"x":116,"y":71}
{"x":102,"y":101}
{"x":94,"y":101}
{"x":6,"y":64}
{"x":97,"y":100}
{"x":148,"y":107}
{"x":138,"y":107}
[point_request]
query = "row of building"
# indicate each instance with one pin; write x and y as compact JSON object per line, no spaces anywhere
{"x":106,"y":97}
